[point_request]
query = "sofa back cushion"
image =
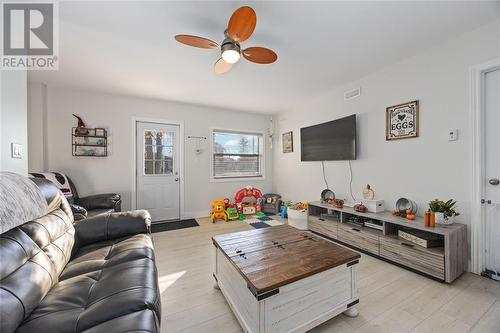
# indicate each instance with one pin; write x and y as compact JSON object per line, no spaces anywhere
{"x":32,"y":256}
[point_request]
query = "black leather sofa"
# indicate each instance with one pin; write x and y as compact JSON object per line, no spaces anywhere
{"x":95,"y":275}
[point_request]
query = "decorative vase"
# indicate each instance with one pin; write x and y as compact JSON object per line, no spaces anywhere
{"x":439,"y":218}
{"x":448,"y":220}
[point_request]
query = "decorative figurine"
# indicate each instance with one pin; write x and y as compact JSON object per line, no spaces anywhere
{"x":368,"y":193}
{"x":80,"y":128}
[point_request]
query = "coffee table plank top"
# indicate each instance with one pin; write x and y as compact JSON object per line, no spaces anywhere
{"x":273,"y":257}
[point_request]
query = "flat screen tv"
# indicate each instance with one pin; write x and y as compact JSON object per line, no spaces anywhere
{"x":331,"y":141}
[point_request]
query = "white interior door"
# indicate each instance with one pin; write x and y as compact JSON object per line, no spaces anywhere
{"x":492,"y":170}
{"x":157,"y":162}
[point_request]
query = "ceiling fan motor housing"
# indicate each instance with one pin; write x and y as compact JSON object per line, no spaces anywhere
{"x":228,"y":44}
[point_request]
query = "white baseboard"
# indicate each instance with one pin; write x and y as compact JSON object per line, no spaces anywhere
{"x":195,"y":215}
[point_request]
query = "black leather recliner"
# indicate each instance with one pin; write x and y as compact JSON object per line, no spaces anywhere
{"x":94,"y":205}
{"x":88,"y":206}
{"x":95,"y":275}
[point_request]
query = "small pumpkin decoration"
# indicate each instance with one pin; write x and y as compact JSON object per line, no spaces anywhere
{"x":339,"y":203}
{"x":360,"y":208}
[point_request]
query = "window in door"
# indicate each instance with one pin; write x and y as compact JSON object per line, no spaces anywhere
{"x":158,"y":152}
{"x":236,"y":154}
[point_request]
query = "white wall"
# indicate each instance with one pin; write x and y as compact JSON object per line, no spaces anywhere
{"x":115,"y":113}
{"x":421,"y":169}
{"x":37,"y":124}
{"x":13,"y":120}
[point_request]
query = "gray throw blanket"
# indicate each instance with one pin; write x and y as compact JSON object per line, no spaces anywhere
{"x":20,"y":201}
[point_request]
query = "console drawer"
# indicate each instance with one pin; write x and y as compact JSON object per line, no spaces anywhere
{"x":359,"y":237}
{"x":429,"y":261}
{"x":324,"y":227}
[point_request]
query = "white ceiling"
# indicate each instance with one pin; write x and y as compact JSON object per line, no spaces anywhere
{"x":128,"y":47}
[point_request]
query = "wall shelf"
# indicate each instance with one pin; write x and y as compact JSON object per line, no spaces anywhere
{"x":89,"y":142}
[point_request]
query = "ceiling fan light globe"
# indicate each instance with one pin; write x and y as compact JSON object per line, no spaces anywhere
{"x":231,"y":56}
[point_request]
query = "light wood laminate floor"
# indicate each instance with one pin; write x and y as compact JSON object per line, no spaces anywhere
{"x":392,"y":299}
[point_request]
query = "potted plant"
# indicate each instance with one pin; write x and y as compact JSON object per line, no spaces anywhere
{"x":445,"y":211}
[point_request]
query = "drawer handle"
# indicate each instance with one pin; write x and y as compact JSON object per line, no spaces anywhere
{"x":407,"y":245}
{"x":356,"y":229}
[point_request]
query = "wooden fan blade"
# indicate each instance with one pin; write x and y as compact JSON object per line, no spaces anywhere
{"x":196,"y":41}
{"x":260,"y":55}
{"x":222,"y":67}
{"x":242,"y":24}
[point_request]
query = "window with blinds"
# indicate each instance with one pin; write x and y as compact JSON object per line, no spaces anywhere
{"x":237,"y":154}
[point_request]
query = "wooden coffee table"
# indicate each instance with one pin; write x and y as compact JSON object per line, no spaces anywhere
{"x":281,"y":279}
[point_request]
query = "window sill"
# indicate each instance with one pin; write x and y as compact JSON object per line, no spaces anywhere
{"x":236,"y":179}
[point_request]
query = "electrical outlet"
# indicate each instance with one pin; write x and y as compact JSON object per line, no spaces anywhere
{"x":16,"y":150}
{"x":453,"y":135}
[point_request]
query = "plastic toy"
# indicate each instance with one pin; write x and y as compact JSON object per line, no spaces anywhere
{"x":298,"y":205}
{"x":239,"y":208}
{"x":284,"y":214}
{"x":218,"y":210}
{"x":232,"y":213}
{"x":248,"y":200}
{"x":249,"y":210}
{"x":260,"y":214}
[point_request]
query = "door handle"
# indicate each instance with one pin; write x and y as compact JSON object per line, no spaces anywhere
{"x":494,"y":181}
{"x":489,"y":202}
{"x":176,"y":179}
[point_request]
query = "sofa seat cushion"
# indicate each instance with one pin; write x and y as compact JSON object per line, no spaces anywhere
{"x":87,"y":301}
{"x":108,"y":253}
{"x":140,"y":322}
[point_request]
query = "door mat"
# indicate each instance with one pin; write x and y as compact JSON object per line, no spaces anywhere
{"x":168,"y":226}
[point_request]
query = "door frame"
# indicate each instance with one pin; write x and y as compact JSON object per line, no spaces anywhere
{"x":179,"y":123}
{"x":477,"y":218}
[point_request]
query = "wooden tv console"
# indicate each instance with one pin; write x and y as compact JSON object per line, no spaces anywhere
{"x":445,"y":263}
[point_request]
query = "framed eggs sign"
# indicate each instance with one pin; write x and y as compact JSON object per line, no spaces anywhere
{"x":401,"y":121}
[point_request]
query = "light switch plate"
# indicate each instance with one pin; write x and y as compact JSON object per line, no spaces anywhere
{"x":453,"y":135}
{"x":17,"y":150}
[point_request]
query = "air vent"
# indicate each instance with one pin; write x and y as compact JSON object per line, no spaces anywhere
{"x":352,"y":94}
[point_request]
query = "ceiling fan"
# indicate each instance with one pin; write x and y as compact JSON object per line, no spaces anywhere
{"x":240,"y":27}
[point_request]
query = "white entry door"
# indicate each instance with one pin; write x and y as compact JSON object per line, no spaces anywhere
{"x":492,"y":171}
{"x":158,"y":179}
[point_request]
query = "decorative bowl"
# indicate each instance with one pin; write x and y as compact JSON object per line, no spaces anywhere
{"x":404,"y":204}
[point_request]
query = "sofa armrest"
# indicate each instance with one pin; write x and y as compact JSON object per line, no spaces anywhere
{"x":111,"y":226}
{"x":79,"y":213}
{"x":101,"y":201}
